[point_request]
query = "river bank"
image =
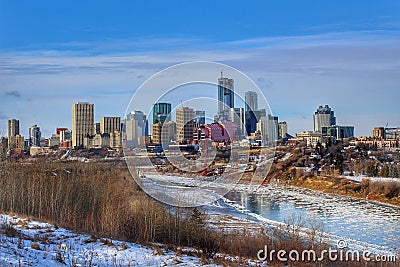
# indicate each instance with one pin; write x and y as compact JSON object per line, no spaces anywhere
{"x":384,"y":192}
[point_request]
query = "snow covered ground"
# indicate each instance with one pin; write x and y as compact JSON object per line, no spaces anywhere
{"x":359,"y":178}
{"x":285,"y":157}
{"x":33,"y":243}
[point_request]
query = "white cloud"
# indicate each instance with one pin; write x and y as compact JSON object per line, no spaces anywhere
{"x":351,"y":71}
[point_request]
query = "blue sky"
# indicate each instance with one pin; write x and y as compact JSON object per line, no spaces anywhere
{"x":301,"y":53}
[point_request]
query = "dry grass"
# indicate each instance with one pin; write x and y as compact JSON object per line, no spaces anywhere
{"x":385,"y":192}
{"x":98,"y":198}
{"x":102,"y":199}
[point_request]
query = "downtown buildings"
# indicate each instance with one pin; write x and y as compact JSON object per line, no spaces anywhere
{"x":188,"y":125}
{"x":161,"y":112}
{"x":82,"y":122}
{"x":135,"y":128}
{"x":239,"y":122}
{"x":226,"y":97}
{"x":34,"y":136}
{"x":323,"y":117}
{"x":325,"y":127}
{"x":185,"y":123}
{"x":15,"y":140}
{"x":88,"y":134}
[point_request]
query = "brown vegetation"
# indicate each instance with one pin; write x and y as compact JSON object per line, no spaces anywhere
{"x":97,"y":198}
{"x":385,"y":192}
{"x":102,"y":199}
{"x":292,"y":172}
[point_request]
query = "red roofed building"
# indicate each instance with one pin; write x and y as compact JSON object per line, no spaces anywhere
{"x":59,"y":130}
{"x":217,"y":131}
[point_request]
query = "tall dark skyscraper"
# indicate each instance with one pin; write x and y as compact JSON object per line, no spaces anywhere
{"x":34,"y":136}
{"x":251,"y":100}
{"x":225,"y":94}
{"x":161,"y":112}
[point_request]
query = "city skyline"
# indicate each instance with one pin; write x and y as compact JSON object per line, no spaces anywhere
{"x":348,"y":59}
{"x":87,"y":133}
{"x":109,"y":123}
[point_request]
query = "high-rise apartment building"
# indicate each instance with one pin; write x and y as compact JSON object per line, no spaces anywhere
{"x":34,"y":136}
{"x":225,"y":94}
{"x":283,"y":129}
{"x":13,"y":127}
{"x":323,"y":117}
{"x":163,"y":132}
{"x":13,"y":130}
{"x":237,"y":115}
{"x":110,"y":124}
{"x":268,"y":126}
{"x":82,"y":122}
{"x":185,"y":123}
{"x":251,"y":100}
{"x":135,"y":127}
{"x":161,"y":112}
{"x":141,"y":119}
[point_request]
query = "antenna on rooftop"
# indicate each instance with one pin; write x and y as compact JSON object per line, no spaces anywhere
{"x":222,"y":74}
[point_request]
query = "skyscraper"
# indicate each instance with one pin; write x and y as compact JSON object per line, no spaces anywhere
{"x":13,"y":130}
{"x":282,"y":128}
{"x":251,"y":119}
{"x":185,"y":123}
{"x":268,"y":126}
{"x":141,"y":119}
{"x":225,"y":94}
{"x":161,"y":112}
{"x":163,"y":132}
{"x":110,"y":124}
{"x":13,"y":127}
{"x":251,"y":100}
{"x":323,"y":117}
{"x":237,"y":116}
{"x":34,"y":136}
{"x":200,"y":116}
{"x":136,"y":127}
{"x":82,"y":122}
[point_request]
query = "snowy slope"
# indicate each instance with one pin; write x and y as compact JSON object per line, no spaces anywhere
{"x":40,"y":244}
{"x":359,"y":178}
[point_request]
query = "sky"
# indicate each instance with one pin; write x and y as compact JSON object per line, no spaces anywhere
{"x":301,"y":54}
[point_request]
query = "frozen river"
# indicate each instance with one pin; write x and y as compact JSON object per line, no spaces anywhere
{"x":362,"y":223}
{"x":352,"y":219}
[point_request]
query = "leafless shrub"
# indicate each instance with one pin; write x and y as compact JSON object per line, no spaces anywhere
{"x":10,"y":231}
{"x":35,"y":246}
{"x":389,"y":190}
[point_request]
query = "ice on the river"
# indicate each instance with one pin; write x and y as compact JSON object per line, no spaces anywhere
{"x":363,"y":223}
